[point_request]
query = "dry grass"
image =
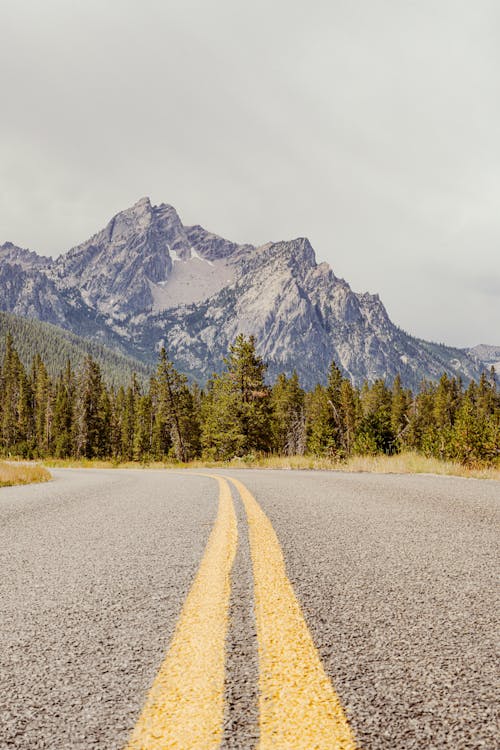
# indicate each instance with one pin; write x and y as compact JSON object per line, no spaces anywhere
{"x":87,"y":463}
{"x":414,"y":463}
{"x":403,"y":463}
{"x":19,"y":473}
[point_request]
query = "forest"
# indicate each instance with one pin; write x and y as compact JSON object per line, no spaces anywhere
{"x":56,"y":345}
{"x":78,"y":414}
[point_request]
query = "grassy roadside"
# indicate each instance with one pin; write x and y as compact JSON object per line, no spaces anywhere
{"x":403,"y":463}
{"x":17,"y":473}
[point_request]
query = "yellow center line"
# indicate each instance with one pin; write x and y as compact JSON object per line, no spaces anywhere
{"x":185,"y":706}
{"x":299,"y":708}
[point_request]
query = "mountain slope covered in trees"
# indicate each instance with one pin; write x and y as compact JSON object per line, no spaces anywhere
{"x":56,"y":346}
{"x":147,"y":280}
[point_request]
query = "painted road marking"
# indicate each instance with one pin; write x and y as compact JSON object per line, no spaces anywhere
{"x":299,"y":709}
{"x":185,"y":706}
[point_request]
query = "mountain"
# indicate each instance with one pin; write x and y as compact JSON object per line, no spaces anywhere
{"x":56,"y":346}
{"x":147,"y":280}
{"x":489,"y":356}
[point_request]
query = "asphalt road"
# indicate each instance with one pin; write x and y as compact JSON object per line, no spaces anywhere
{"x":397,"y":578}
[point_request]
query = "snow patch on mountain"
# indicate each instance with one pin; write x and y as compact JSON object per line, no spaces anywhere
{"x":190,"y":280}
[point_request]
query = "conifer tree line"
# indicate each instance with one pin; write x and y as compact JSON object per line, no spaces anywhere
{"x":76,"y":414}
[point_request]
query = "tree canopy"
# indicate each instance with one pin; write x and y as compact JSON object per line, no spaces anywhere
{"x":76,"y":413}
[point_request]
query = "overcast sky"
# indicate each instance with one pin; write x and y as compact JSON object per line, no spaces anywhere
{"x":370,"y":126}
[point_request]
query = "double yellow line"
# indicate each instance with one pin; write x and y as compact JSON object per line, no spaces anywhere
{"x":298,"y":707}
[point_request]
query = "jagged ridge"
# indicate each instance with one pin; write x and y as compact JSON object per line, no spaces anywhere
{"x":147,"y":280}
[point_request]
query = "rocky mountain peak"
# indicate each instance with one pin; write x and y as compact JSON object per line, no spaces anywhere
{"x":131,"y":221}
{"x":143,"y":204}
{"x":300,"y":251}
{"x":140,"y":208}
{"x":145,"y":278}
{"x":295,"y":257}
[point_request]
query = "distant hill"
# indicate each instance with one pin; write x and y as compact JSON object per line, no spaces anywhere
{"x":488,"y":355}
{"x":56,"y":346}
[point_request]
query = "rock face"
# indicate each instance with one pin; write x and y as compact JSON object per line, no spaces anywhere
{"x":489,"y":356}
{"x":147,"y":280}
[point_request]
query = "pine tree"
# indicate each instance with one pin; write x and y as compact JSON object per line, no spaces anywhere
{"x":468,"y":436}
{"x":332,"y":416}
{"x":64,"y":413}
{"x":246,"y":372}
{"x":106,"y":417}
{"x":43,"y":406}
{"x":26,"y":428}
{"x":161,"y":434}
{"x":400,"y":403}
{"x":446,"y":402}
{"x":89,"y":425}
{"x":236,"y":409}
{"x":420,"y":434}
{"x":143,"y":429}
{"x":288,"y":428}
{"x":375,"y":434}
{"x":337,"y":417}
{"x":351,"y":407}
{"x":13,"y":374}
{"x":222,"y":437}
{"x":118,"y":400}
{"x":320,"y":435}
{"x":128,"y":419}
{"x":177,"y":425}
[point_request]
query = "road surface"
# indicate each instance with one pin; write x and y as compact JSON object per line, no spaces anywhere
{"x":146,"y":609}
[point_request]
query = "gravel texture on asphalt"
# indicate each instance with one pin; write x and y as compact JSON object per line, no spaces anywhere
{"x":95,"y":567}
{"x":396,"y":575}
{"x":398,"y":580}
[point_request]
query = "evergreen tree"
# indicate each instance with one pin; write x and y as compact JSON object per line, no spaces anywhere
{"x":143,"y":429}
{"x":288,"y":427}
{"x":106,"y":417}
{"x":320,"y":435}
{"x":64,"y":413}
{"x":246,"y":372}
{"x":467,"y":436}
{"x":128,"y":419}
{"x":326,"y":420}
{"x":375,"y":434}
{"x":43,"y":406}
{"x":350,"y":409}
{"x":236,"y":410}
{"x":13,"y":374}
{"x":400,"y":404}
{"x":222,"y":436}
{"x":89,"y":426}
{"x":420,"y":434}
{"x":177,"y":427}
{"x":118,"y":401}
{"x":446,"y":401}
{"x":337,"y":417}
{"x":26,"y":428}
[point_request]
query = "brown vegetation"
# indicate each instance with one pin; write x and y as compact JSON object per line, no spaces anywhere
{"x":401,"y":463}
{"x":18,"y":473}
